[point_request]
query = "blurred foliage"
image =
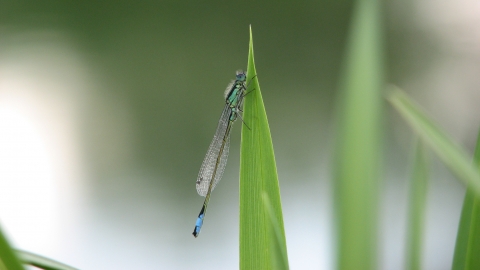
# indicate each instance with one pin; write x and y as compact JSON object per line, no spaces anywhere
{"x":8,"y":258}
{"x":454,"y":156}
{"x":467,"y":246}
{"x":359,"y":140}
{"x":416,"y":215}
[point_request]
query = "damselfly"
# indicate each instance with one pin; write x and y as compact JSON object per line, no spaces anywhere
{"x":214,"y":163}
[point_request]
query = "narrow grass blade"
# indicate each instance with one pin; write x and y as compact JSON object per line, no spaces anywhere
{"x":41,"y":262}
{"x":467,"y":248}
{"x":418,"y":196}
{"x":8,"y":259}
{"x":451,"y":154}
{"x":258,"y":174}
{"x":359,"y":141}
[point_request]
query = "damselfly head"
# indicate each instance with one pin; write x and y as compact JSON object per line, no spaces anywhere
{"x":241,"y":76}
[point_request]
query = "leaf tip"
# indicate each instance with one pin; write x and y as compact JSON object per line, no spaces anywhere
{"x":251,"y":36}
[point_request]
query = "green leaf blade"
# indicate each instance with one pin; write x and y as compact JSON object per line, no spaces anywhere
{"x":258,"y":175}
{"x":8,"y":258}
{"x":467,"y":246}
{"x":359,"y":141}
{"x":41,"y":262}
{"x":449,"y":152}
{"x":418,"y":197}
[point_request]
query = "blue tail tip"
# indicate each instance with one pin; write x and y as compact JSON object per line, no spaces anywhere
{"x":196,"y":231}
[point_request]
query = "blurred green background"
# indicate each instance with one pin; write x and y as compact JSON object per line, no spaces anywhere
{"x":107,"y":110}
